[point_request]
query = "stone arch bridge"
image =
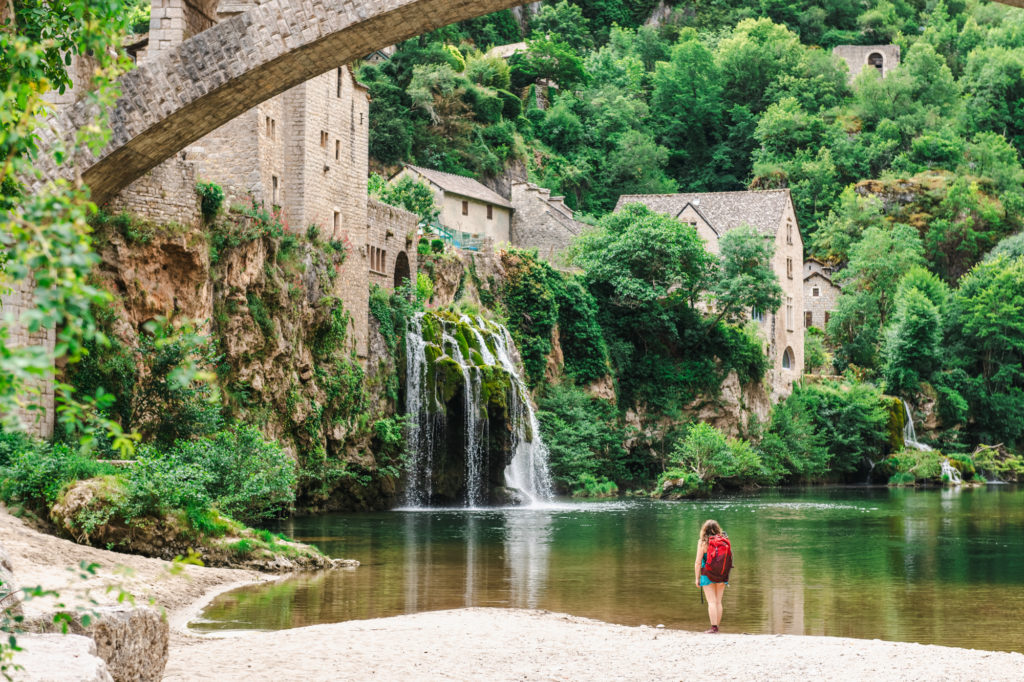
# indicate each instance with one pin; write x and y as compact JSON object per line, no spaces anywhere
{"x":189,"y":90}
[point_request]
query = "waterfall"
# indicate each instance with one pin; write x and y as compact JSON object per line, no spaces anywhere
{"x":910,"y":440}
{"x":441,"y":351}
{"x":909,"y":435}
{"x":950,"y":472}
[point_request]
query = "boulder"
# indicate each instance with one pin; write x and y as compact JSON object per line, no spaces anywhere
{"x":132,"y":641}
{"x":10,"y":594}
{"x":58,"y":658}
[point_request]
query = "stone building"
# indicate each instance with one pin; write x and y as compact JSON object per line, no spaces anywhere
{"x":885,"y":58}
{"x":470,"y":211}
{"x":541,"y":221}
{"x":391,"y":244}
{"x":821,"y":295}
{"x":771,"y":213}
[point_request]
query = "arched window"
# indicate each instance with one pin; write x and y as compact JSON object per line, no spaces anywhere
{"x":787,"y":359}
{"x":876,"y":60}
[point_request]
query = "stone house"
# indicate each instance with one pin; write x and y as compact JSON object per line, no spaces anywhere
{"x":541,"y":221}
{"x":470,"y":211}
{"x":771,"y":213}
{"x":820,"y":294}
{"x":885,"y":58}
{"x":391,"y":244}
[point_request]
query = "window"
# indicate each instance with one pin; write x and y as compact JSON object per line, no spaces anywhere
{"x":338,"y":92}
{"x":378,"y":260}
{"x":337,"y":220}
{"x":808,"y":319}
{"x":789,"y":313}
{"x":323,"y":139}
{"x":465,"y":208}
{"x":360,"y":118}
{"x":789,"y":268}
{"x":789,"y":233}
{"x":756,"y":315}
{"x":826,"y":318}
{"x":787,"y":359}
{"x":490,"y":212}
{"x":876,"y":60}
{"x":271,"y":128}
{"x":337,"y":150}
{"x":274,"y":199}
{"x":815,"y":292}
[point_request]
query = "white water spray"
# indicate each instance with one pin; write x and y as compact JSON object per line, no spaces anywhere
{"x":527,"y":473}
{"x":949,"y":472}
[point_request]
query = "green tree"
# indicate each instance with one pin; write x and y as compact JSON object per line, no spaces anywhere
{"x":911,"y":350}
{"x":988,"y":343}
{"x":563,"y":22}
{"x":413,"y":195}
{"x":745,"y":278}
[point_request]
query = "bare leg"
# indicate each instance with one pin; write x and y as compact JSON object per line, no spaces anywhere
{"x":719,"y":591}
{"x":711,"y":594}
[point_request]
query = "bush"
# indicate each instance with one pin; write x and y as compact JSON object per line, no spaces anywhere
{"x":902,"y":478}
{"x":590,"y":486}
{"x":676,"y":482}
{"x":713,"y":458}
{"x":437,"y":245}
{"x":38,"y":472}
{"x":211,"y":197}
{"x":246,"y":477}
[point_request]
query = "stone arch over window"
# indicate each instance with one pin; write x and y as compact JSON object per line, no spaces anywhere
{"x":876,"y":60}
{"x":787,"y":358}
{"x":401,"y":269}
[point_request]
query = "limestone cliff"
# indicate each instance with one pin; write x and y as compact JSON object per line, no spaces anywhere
{"x":272,"y":302}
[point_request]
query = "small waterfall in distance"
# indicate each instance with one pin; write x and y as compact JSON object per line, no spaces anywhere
{"x":472,"y":351}
{"x":910,"y":440}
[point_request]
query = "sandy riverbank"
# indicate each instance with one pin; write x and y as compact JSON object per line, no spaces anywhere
{"x":476,"y":644}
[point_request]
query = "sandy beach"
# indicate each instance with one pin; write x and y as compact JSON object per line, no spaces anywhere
{"x":472,"y":643}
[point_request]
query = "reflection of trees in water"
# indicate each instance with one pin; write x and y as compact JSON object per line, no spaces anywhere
{"x":527,"y":553}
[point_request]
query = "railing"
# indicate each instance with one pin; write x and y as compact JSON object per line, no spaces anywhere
{"x":460,"y":240}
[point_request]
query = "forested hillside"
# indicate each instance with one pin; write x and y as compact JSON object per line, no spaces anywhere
{"x":904,"y":184}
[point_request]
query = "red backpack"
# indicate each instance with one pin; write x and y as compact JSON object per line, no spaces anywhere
{"x":719,"y":561}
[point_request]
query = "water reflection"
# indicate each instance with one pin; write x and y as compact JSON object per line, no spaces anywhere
{"x":873,"y":563}
{"x":527,"y":551}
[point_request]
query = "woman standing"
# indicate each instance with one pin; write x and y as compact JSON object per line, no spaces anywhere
{"x":714,"y":577}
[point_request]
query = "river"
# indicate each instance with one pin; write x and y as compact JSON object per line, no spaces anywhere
{"x":930,"y":566}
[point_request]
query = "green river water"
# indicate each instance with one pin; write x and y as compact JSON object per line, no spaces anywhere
{"x":934,"y":566}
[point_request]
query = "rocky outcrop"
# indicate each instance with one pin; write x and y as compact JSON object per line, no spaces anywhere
{"x":132,"y":641}
{"x":59,"y":658}
{"x":464,"y":275}
{"x":172,"y":535}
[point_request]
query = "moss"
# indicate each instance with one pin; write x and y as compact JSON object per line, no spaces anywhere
{"x":448,"y":378}
{"x":495,"y":385}
{"x":460,"y":339}
{"x":897,"y":422}
{"x":476,"y":358}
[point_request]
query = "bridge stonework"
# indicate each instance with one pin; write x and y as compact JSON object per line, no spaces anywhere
{"x":38,"y":420}
{"x":179,"y":95}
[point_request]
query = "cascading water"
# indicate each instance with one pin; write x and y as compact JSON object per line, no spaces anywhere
{"x":949,"y":472}
{"x":909,"y":435}
{"x":443,"y":355}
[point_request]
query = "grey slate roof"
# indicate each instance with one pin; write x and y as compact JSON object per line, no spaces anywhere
{"x":464,"y":187}
{"x":761,"y":209}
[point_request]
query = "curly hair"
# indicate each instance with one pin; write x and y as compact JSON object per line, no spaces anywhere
{"x":709,"y":528}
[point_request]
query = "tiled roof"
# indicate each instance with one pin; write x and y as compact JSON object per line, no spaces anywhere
{"x":761,"y":209}
{"x":465,"y":187}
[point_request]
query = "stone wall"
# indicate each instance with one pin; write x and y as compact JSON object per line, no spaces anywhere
{"x":858,"y":57}
{"x":37,"y":419}
{"x":542,"y":222}
{"x":391,"y":236}
{"x":787,"y":324}
{"x":164,"y":195}
{"x":819,"y":307}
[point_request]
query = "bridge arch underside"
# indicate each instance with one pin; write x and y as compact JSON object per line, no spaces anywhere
{"x":213,"y":77}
